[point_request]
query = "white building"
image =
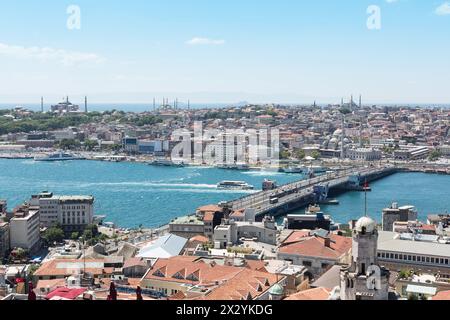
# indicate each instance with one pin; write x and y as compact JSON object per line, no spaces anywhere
{"x":364,"y":154}
{"x":72,"y":213}
{"x":24,"y":228}
{"x":229,"y":233}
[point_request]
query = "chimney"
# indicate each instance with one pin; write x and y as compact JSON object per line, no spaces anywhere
{"x":327,"y":242}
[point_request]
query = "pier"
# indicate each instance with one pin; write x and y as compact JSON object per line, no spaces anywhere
{"x":296,"y":195}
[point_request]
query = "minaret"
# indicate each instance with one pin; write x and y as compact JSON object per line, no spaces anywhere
{"x":343,"y":137}
{"x":85,"y":105}
{"x":42,"y":104}
{"x":314,"y":104}
{"x":189,"y":104}
{"x":361,"y":124}
{"x":154,"y":104}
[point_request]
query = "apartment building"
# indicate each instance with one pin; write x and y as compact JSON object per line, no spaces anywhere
{"x":397,"y":214}
{"x":24,"y":228}
{"x":72,"y":213}
{"x":4,"y":239}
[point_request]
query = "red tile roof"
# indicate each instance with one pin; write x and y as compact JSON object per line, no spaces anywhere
{"x":311,"y":294}
{"x":315,"y":247}
{"x":65,"y":293}
{"x":205,"y":273}
{"x":443,"y":295}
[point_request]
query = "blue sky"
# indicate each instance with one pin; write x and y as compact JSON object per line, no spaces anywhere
{"x":225,"y":51}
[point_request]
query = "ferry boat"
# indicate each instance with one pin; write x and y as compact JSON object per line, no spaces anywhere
{"x":165,"y":163}
{"x":234,"y":185}
{"x":293,"y":170}
{"x":240,"y":167}
{"x":59,"y":157}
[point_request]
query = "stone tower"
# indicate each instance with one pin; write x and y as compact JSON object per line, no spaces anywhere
{"x":364,"y":279}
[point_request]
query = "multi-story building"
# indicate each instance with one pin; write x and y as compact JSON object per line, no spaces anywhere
{"x":423,"y":253}
{"x":364,"y":154}
{"x":230,"y":232}
{"x":187,"y":227}
{"x":397,"y":214}
{"x":4,"y":239}
{"x":24,"y":228}
{"x":316,"y":252}
{"x":72,"y":213}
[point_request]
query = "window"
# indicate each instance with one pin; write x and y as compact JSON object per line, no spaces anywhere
{"x":307,"y":263}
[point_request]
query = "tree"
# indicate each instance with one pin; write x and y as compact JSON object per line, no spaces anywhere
{"x":75,"y":236}
{"x":315,"y":154}
{"x":89,"y":145}
{"x":435,"y":155}
{"x":53,"y":234}
{"x":285,"y":154}
{"x":69,"y":144}
{"x":300,"y":154}
{"x":413,"y":297}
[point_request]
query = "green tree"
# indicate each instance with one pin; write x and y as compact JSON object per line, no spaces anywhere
{"x":285,"y":154}
{"x":315,"y":154}
{"x":90,"y":145}
{"x":69,"y":144}
{"x":75,"y":236}
{"x":435,"y":155}
{"x":300,"y":154}
{"x":53,"y":234}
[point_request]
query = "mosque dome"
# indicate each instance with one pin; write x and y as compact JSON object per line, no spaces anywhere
{"x":276,"y":290}
{"x":366,"y":224}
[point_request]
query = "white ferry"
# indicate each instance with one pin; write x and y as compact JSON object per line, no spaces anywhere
{"x":59,"y":157}
{"x":165,"y":163}
{"x":234,"y":185}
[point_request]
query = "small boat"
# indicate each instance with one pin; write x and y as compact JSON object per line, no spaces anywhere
{"x":234,"y":185}
{"x":59,"y":157}
{"x":330,"y":202}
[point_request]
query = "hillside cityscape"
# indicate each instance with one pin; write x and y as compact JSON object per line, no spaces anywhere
{"x":215,"y":158}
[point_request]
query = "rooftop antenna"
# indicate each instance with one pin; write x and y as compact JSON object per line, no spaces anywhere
{"x":360,"y":101}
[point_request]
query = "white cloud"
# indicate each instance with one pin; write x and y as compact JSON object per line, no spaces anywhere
{"x":443,"y":9}
{"x":64,"y":57}
{"x":204,"y":41}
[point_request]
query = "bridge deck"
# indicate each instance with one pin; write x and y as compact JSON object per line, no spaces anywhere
{"x":303,"y":190}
